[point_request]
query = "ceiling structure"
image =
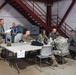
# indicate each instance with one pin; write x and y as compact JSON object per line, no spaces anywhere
{"x":45,"y":1}
{"x":33,"y":18}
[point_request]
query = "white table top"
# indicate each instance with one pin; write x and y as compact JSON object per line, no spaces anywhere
{"x":14,"y":44}
{"x":21,"y":46}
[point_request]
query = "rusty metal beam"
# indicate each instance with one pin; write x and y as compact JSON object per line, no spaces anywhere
{"x":66,"y":14}
{"x":45,"y":1}
{"x":3,"y":5}
{"x":19,"y":2}
{"x":48,"y":18}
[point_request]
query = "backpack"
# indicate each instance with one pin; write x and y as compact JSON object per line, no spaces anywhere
{"x":36,"y":43}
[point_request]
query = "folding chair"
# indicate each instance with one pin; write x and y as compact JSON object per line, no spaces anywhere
{"x":45,"y":53}
{"x":17,"y":38}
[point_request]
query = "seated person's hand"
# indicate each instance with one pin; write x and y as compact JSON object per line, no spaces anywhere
{"x":21,"y":41}
{"x":33,"y":40}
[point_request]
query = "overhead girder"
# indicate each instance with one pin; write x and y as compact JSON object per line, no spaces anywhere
{"x":67,"y":13}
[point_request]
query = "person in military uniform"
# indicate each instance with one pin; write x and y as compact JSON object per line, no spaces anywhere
{"x":2,"y":33}
{"x":55,"y":63}
{"x":26,"y":37}
{"x":72,"y":42}
{"x":43,"y":37}
{"x":59,"y":42}
{"x":53,"y":34}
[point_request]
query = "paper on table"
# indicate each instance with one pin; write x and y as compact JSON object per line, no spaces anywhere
{"x":8,"y":31}
{"x":24,"y":42}
{"x":20,"y":54}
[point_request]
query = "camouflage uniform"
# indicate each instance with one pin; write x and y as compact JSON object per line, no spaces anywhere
{"x":72,"y":47}
{"x":54,"y":60}
{"x":26,"y":38}
{"x":59,"y":41}
{"x":41,"y":38}
{"x":72,"y":42}
{"x":1,"y":41}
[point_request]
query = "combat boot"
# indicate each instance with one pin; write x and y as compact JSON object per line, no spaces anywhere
{"x":55,"y":64}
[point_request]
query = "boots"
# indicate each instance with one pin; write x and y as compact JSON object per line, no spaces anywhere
{"x":55,"y":64}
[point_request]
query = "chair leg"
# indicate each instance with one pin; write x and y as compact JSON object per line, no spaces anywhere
{"x":35,"y":60}
{"x":40,"y":65}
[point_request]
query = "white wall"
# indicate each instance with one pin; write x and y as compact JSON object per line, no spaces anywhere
{"x":63,"y":6}
{"x":71,"y":19}
{"x":10,"y":15}
{"x":1,"y":2}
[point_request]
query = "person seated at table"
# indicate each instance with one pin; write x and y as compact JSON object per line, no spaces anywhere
{"x":14,"y":31}
{"x":59,"y":41}
{"x":26,"y":36}
{"x":53,"y":33}
{"x":72,"y":42}
{"x":43,"y":37}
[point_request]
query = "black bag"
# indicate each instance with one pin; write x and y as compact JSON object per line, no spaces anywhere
{"x":36,"y":43}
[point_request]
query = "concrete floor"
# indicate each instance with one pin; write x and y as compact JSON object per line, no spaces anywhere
{"x":5,"y":69}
